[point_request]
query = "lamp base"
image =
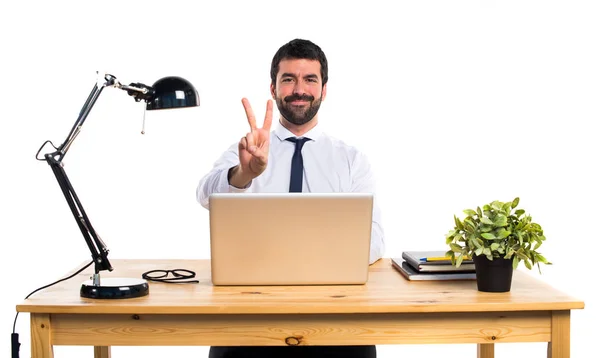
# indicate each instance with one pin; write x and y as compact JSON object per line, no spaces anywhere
{"x":115,"y":288}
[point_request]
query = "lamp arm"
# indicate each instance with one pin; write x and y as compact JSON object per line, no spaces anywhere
{"x":95,"y":244}
{"x":85,"y":110}
{"x":138,"y":91}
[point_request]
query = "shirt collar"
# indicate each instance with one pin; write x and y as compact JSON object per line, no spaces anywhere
{"x":283,"y":133}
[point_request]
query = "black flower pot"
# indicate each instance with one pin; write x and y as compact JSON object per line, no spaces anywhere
{"x":494,"y":275}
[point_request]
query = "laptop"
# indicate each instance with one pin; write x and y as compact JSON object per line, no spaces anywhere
{"x":290,"y":238}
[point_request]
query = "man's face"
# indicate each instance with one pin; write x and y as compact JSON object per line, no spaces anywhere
{"x":298,"y":90}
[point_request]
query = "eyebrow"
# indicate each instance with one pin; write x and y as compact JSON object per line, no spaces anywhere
{"x":286,"y":74}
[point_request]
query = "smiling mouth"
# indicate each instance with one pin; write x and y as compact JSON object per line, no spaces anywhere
{"x":298,"y":103}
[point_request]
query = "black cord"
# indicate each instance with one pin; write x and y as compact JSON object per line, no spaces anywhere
{"x":179,"y":276}
{"x":37,"y":155}
{"x":54,"y":283}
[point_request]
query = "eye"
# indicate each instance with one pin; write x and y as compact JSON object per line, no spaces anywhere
{"x":286,"y":80}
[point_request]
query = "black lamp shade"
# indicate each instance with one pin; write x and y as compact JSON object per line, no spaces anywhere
{"x":173,"y":92}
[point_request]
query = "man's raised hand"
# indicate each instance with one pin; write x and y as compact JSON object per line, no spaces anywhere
{"x":253,"y":149}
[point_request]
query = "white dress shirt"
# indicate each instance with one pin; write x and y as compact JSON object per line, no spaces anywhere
{"x":330,"y":166}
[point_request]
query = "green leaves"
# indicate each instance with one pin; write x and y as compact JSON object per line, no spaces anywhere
{"x":519,"y":212}
{"x":498,"y":230}
{"x":455,"y":248}
{"x":496,"y":205}
{"x":502,"y":233}
{"x":459,"y":225}
{"x":487,"y":221}
{"x":459,"y":260}
{"x":500,"y":221}
{"x":469,"y":212}
{"x":515,"y":202}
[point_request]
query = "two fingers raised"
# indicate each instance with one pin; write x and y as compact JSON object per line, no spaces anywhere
{"x":252,"y":118}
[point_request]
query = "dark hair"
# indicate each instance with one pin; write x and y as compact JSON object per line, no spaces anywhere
{"x":299,"y":49}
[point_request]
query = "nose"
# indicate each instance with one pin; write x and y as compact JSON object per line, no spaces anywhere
{"x":299,"y":88}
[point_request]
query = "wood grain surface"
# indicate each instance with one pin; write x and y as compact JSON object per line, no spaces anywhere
{"x":385,"y":292}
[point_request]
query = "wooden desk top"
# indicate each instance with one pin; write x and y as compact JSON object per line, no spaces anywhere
{"x":386,"y":292}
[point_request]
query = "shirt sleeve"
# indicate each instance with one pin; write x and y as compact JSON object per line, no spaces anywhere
{"x":216,"y":180}
{"x":363,"y":181}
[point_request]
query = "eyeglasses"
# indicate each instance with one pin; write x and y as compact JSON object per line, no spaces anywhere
{"x":178,"y":276}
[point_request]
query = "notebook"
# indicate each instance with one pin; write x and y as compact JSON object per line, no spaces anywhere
{"x":290,"y":238}
{"x":413,"y":275}
{"x":420,"y":261}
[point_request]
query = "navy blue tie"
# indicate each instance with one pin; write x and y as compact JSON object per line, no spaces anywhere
{"x":297,"y":165}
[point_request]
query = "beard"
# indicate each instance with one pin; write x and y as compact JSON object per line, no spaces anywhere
{"x":295,"y":114}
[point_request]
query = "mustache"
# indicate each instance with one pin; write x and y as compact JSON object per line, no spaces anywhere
{"x":304,"y":97}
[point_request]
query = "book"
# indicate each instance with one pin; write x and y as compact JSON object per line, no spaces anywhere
{"x":435,"y":261}
{"x":413,"y":275}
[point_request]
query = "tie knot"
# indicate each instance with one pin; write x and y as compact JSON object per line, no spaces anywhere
{"x":299,"y":142}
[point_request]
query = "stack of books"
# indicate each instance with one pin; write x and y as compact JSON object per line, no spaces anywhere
{"x":432,"y":265}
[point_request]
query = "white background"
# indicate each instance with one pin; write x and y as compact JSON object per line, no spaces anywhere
{"x":456,"y":103}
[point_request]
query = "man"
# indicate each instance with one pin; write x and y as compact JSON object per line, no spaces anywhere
{"x":262,"y":162}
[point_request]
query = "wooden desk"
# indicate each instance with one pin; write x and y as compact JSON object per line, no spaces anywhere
{"x":387,"y":310}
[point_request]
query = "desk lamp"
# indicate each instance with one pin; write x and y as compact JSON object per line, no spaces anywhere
{"x":168,"y":92}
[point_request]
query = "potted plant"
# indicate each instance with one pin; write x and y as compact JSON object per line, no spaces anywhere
{"x":497,"y":238}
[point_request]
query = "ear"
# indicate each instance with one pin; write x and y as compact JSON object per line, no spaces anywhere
{"x":324,"y":92}
{"x":273,"y":90}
